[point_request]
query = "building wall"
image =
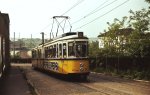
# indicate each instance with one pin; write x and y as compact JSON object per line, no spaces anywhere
{"x":4,"y":32}
{"x":101,"y":43}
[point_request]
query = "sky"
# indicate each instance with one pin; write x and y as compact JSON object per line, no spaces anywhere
{"x":31,"y":17}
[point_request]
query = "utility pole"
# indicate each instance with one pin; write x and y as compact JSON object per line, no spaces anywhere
{"x":42,"y":51}
{"x":19,"y":41}
{"x":14,"y":46}
{"x":31,"y":42}
{"x":42,"y":38}
{"x":19,"y":45}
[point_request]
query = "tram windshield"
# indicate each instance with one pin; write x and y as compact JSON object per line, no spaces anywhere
{"x":77,"y":49}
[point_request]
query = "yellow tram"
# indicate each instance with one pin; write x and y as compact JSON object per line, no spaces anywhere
{"x":67,"y":54}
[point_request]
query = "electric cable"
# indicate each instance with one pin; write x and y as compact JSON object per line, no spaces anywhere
{"x":95,"y":10}
{"x":80,"y":1}
{"x":102,"y":15}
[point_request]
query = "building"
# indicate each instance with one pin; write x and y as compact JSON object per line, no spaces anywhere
{"x":120,"y":37}
{"x":19,"y":50}
{"x":4,"y":39}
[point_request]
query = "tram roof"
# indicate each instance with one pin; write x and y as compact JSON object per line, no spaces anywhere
{"x":65,"y":36}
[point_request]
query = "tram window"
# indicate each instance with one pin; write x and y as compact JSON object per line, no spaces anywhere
{"x":36,"y":54}
{"x":60,"y":50}
{"x":50,"y":53}
{"x":54,"y":51}
{"x":39,"y":53}
{"x":57,"y":51}
{"x":84,"y":50}
{"x":81,"y":49}
{"x":64,"y":50}
{"x":46,"y":54}
{"x":33,"y":54}
{"x":45,"y":51}
{"x":78,"y":50}
{"x":71,"y":52}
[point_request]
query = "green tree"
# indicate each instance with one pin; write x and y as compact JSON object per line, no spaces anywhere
{"x":112,"y":45}
{"x":93,"y":49}
{"x":147,"y":1}
{"x":137,"y":43}
{"x":140,"y":22}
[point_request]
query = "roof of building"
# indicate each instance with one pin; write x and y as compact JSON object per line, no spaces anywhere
{"x":125,"y":31}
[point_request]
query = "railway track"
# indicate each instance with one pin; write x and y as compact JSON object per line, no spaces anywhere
{"x":143,"y":84}
{"x":130,"y":86}
{"x":105,"y":90}
{"x":47,"y":84}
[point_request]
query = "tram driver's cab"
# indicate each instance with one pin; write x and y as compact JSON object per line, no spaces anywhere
{"x":77,"y":49}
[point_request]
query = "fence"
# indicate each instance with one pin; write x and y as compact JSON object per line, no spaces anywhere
{"x":21,"y":60}
{"x":120,"y":63}
{"x":117,"y":63}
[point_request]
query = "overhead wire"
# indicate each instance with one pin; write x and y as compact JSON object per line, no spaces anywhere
{"x":80,"y":1}
{"x":102,"y":15}
{"x":92,"y":12}
{"x":46,"y":27}
{"x":95,"y":10}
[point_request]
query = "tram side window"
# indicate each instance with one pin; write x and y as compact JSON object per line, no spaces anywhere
{"x":36,"y":55}
{"x":64,"y":50}
{"x":50,"y":49}
{"x":33,"y":54}
{"x":57,"y":50}
{"x":54,"y":51}
{"x":60,"y":50}
{"x":46,"y":54}
{"x":71,"y":52}
{"x":39,"y":53}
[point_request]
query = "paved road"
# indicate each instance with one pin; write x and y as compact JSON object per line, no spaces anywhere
{"x":13,"y":83}
{"x":97,"y":84}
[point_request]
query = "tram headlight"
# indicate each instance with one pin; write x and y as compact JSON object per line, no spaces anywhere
{"x":81,"y":64}
{"x":81,"y":69}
